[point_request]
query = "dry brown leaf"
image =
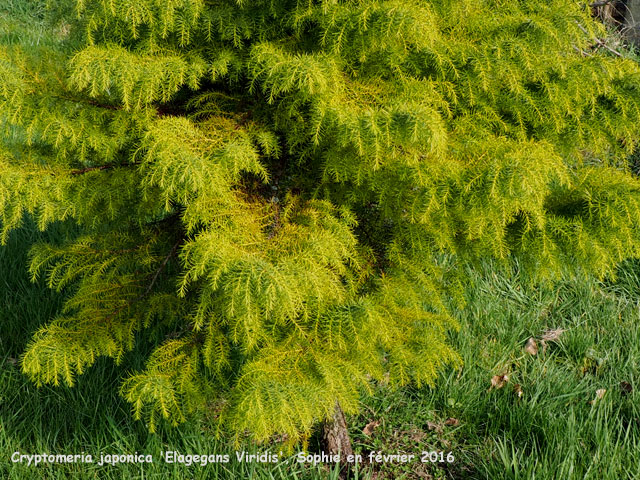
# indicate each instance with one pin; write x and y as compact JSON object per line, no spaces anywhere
{"x":552,"y":334}
{"x":423,"y":475}
{"x":436,"y":427}
{"x":370,"y":427}
{"x":518,"y":390}
{"x":415,"y":434}
{"x":531,"y":347}
{"x":499,"y":381}
{"x":452,"y":422}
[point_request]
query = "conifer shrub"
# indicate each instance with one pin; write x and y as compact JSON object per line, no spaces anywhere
{"x":285,"y":191}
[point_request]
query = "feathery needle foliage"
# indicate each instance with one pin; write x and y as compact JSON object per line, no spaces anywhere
{"x":270,"y":186}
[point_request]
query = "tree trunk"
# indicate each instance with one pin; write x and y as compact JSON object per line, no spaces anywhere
{"x":336,"y":439}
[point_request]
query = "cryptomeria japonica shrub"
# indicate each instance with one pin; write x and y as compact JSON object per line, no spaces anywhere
{"x":274,"y":185}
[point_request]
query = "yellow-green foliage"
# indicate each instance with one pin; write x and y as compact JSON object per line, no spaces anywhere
{"x":268,"y":185}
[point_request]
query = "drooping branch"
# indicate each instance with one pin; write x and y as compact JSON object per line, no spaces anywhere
{"x":82,"y":171}
{"x":600,"y":42}
{"x":91,"y":169}
{"x":147,"y":291}
{"x":161,"y":268}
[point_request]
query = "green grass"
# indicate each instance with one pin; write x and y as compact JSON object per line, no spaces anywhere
{"x":557,"y":428}
{"x":92,"y":417}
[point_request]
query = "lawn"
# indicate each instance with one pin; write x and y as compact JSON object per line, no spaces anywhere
{"x":569,"y":410}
